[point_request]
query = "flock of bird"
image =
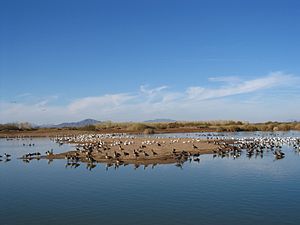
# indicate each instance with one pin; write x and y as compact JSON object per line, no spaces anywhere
{"x":90,"y":146}
{"x":256,"y":146}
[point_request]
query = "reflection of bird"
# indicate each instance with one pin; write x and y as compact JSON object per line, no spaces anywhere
{"x":13,"y":102}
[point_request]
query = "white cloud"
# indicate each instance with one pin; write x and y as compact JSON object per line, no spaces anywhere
{"x":110,"y":101}
{"x":194,"y":103}
{"x":229,"y":79}
{"x":242,"y":87}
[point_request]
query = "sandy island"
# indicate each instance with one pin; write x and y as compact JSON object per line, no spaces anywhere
{"x":137,"y":150}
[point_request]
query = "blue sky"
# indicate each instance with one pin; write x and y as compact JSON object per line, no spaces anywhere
{"x":138,"y":60}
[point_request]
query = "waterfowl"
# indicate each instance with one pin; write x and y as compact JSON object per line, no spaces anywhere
{"x":153,"y":152}
{"x":49,"y":152}
{"x":90,"y":159}
{"x":136,"y":154}
{"x":67,"y":157}
{"x":278,"y":154}
{"x":117,"y":155}
{"x":7,"y":155}
{"x":107,"y":156}
{"x":197,"y":160}
{"x":119,"y":162}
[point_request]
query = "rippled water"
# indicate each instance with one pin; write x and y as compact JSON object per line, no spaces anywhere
{"x":214,"y":191}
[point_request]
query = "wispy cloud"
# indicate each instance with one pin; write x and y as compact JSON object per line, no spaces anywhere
{"x":23,"y":95}
{"x":106,"y":101}
{"x":239,"y":87}
{"x":227,"y":79}
{"x":193,"y":103}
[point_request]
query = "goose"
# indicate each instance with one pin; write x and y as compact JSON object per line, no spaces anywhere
{"x":90,"y":166}
{"x":119,"y":162}
{"x":117,"y":155}
{"x":153,"y":152}
{"x":90,"y":159}
{"x":136,"y":154}
{"x":67,"y":157}
{"x":278,"y":154}
{"x":7,"y":155}
{"x":49,"y":152}
{"x":107,"y":156}
{"x":153,"y":165}
{"x":196,"y":155}
{"x":197,"y":160}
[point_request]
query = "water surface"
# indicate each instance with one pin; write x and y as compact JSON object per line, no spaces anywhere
{"x":214,"y":191}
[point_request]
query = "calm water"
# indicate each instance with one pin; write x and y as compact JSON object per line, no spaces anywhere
{"x":214,"y":191}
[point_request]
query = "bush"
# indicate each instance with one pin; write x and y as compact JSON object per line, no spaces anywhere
{"x":221,"y":129}
{"x":15,"y":126}
{"x":149,"y":131}
{"x":297,"y":127}
{"x":284,"y":127}
{"x":138,"y":127}
{"x":250,"y":128}
{"x":88,"y":128}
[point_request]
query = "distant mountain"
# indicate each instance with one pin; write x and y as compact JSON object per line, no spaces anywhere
{"x":160,"y":121}
{"x":81,"y":123}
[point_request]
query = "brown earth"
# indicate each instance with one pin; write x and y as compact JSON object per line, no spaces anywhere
{"x":164,"y":150}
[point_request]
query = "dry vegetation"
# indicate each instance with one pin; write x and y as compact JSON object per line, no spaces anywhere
{"x":16,"y":127}
{"x":166,"y":127}
{"x":218,"y":126}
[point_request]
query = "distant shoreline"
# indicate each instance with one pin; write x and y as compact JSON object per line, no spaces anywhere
{"x":50,"y":132}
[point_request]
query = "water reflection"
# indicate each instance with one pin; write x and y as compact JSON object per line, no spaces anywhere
{"x":227,"y":188}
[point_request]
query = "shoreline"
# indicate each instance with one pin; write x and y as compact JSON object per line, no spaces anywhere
{"x":68,"y":132}
{"x":51,"y":133}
